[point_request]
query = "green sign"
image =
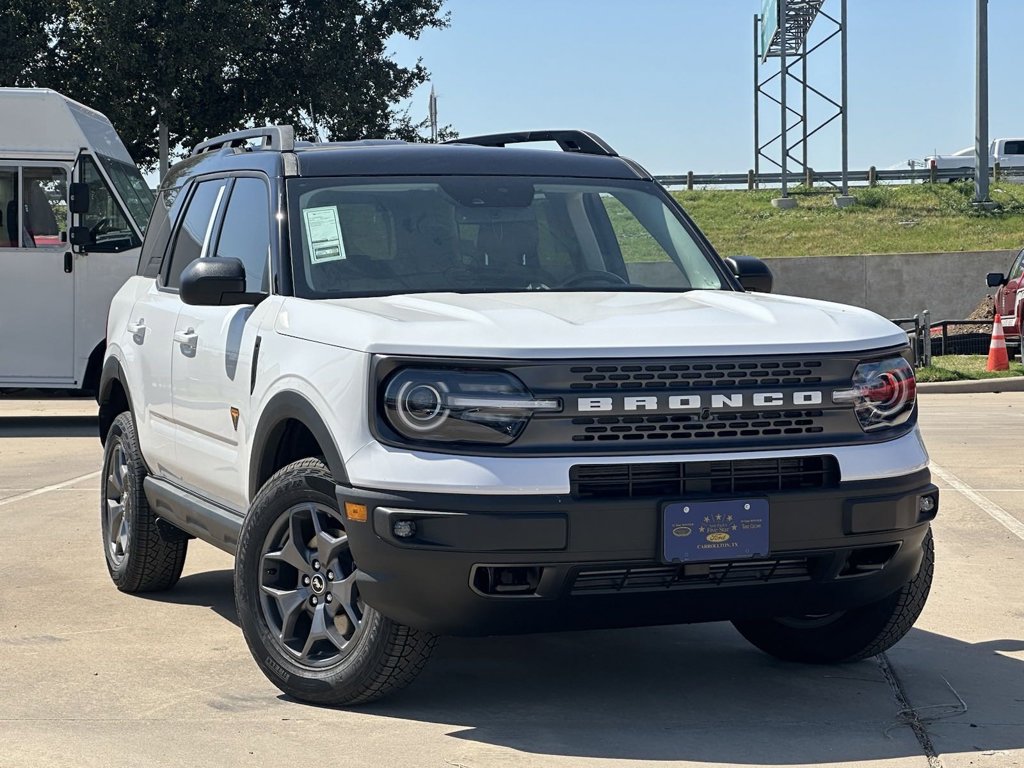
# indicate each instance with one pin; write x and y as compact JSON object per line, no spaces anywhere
{"x":769,"y":24}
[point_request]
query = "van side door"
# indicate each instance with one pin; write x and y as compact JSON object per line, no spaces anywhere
{"x":37,"y":296}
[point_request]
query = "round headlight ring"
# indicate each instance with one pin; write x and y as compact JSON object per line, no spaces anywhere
{"x":420,"y":406}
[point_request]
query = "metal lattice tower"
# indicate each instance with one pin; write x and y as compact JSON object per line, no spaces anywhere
{"x":787,"y":147}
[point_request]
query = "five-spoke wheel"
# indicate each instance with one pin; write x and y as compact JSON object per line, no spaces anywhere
{"x":142,"y":554}
{"x":298,"y":599}
{"x":308,"y":589}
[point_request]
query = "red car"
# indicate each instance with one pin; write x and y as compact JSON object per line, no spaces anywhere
{"x":1009,"y":298}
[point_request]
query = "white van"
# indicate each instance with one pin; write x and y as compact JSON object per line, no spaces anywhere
{"x":73,"y":210}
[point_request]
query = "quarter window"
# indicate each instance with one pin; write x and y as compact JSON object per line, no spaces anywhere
{"x":245,"y":234}
{"x":193,"y":239}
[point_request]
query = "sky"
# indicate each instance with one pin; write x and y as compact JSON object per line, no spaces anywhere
{"x":670,"y":82}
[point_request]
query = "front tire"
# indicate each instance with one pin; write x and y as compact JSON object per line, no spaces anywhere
{"x":848,"y":635}
{"x":141,"y":555}
{"x":298,"y":598}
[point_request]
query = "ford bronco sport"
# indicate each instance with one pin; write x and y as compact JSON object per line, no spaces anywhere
{"x":476,"y":388}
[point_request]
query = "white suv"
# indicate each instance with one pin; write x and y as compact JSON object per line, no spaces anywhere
{"x":479,"y":389}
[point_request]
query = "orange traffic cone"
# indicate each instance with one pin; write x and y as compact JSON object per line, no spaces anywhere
{"x":997,"y":359}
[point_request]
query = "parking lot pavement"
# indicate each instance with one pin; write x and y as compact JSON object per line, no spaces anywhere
{"x":92,"y":677}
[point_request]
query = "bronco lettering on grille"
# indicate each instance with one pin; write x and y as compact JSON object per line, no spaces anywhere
{"x":697,"y":402}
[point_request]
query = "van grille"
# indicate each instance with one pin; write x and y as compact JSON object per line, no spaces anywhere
{"x":745,"y":476}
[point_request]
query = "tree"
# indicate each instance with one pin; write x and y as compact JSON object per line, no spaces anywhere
{"x":204,"y":67}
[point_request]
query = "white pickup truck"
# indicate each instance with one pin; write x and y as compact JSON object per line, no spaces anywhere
{"x":1009,"y":153}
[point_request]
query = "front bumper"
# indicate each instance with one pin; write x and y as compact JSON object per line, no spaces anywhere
{"x":487,"y":564}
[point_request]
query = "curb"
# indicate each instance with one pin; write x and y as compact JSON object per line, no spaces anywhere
{"x":1006,"y":384}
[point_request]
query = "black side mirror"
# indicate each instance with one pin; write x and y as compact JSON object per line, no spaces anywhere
{"x":216,"y":282}
{"x":752,"y":273}
{"x":995,"y":279}
{"x":78,"y":197}
{"x":79,"y":236}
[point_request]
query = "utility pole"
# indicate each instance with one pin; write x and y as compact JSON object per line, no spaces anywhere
{"x":981,"y":109}
{"x":433,"y":115}
{"x":845,"y":199}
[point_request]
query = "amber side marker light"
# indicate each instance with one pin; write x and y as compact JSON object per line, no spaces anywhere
{"x":355,"y":512}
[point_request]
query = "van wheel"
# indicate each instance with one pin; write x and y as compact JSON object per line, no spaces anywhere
{"x":297,"y":595}
{"x":141,"y":555}
{"x":847,"y":635}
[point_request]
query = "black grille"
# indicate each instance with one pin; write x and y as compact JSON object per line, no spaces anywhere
{"x":689,"y":426}
{"x":642,"y":578}
{"x":617,"y":481}
{"x":752,"y":373}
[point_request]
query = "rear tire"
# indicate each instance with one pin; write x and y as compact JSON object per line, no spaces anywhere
{"x":141,"y":555}
{"x":298,"y":599}
{"x":848,"y":635}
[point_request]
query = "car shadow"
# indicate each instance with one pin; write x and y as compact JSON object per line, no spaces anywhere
{"x":208,"y":589}
{"x":49,"y":426}
{"x":698,"y":693}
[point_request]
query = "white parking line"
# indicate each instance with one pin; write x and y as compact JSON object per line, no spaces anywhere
{"x":985,"y":504}
{"x":48,"y":488}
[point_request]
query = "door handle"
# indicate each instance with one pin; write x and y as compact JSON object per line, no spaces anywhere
{"x":138,"y":331}
{"x":67,"y":262}
{"x":187,"y":339}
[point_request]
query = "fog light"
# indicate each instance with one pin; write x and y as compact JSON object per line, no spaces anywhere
{"x":404,"y":529}
{"x":926,"y":504}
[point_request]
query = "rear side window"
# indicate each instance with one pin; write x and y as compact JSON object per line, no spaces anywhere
{"x":193,"y":239}
{"x":1014,"y":148}
{"x":245,"y":234}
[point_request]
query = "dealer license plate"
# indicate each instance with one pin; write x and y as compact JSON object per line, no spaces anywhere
{"x":699,"y":531}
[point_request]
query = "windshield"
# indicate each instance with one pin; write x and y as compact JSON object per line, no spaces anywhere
{"x":132,"y":189}
{"x":478,"y":234}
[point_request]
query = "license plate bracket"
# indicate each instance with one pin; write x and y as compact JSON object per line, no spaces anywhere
{"x":703,"y":531}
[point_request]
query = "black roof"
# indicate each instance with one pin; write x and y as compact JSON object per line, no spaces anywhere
{"x":400,"y":159}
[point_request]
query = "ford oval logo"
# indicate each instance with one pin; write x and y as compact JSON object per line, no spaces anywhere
{"x":682,"y":530}
{"x":718,"y":537}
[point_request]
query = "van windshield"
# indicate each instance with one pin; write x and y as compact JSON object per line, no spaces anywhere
{"x":479,"y":234}
{"x":132,"y":188}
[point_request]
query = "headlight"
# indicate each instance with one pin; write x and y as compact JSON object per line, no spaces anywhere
{"x":883,"y":393}
{"x":448,"y":406}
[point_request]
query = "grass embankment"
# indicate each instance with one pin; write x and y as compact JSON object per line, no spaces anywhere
{"x":964,"y":367}
{"x":887,"y":219}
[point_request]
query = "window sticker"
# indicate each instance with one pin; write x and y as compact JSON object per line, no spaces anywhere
{"x":323,"y":234}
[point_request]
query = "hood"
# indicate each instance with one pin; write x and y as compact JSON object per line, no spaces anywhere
{"x":587,"y":324}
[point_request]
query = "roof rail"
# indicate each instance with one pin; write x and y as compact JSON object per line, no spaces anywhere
{"x":279,"y":137}
{"x":570,"y":141}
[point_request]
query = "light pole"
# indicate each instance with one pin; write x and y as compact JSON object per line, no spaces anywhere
{"x":981,"y":109}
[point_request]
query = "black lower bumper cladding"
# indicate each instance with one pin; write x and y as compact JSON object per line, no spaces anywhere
{"x":483,"y":564}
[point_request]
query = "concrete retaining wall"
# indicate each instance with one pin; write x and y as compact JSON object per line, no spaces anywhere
{"x":950,"y":285}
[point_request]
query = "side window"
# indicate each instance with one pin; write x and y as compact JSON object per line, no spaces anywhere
{"x":635,"y":241}
{"x":245,"y":234}
{"x":8,"y":207}
{"x":558,"y":248}
{"x":34,"y":213}
{"x":109,"y":230}
{"x":1017,"y":270}
{"x":193,"y":238}
{"x":1014,"y":148}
